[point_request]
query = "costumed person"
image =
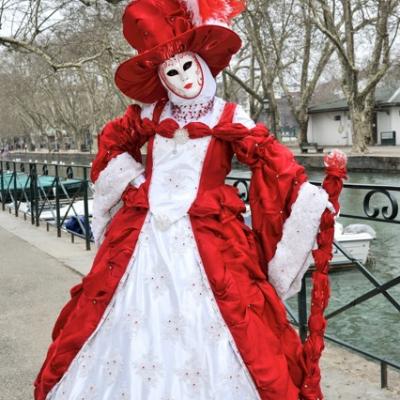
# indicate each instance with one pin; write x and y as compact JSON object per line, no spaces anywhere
{"x":184,"y":300}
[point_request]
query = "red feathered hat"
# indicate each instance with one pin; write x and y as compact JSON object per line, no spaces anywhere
{"x":159,"y":29}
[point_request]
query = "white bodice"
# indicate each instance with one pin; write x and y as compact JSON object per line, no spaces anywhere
{"x":177,"y":166}
{"x":177,"y":169}
{"x":175,"y":177}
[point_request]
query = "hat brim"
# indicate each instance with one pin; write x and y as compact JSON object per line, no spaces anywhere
{"x":138,"y":77}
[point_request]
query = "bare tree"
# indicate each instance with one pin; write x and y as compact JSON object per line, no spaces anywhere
{"x":283,"y":47}
{"x":33,"y":24}
{"x":301,"y":55}
{"x":367,"y":23}
{"x":63,"y":53}
{"x":51,"y":92}
{"x":262,"y":57}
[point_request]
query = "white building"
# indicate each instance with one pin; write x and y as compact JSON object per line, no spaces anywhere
{"x":330,"y":125}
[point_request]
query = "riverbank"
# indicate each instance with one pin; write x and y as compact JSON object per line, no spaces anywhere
{"x":36,"y":285}
{"x":69,"y":157}
{"x":378,"y":159}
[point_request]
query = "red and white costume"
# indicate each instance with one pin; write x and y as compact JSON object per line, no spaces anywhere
{"x":184,"y":301}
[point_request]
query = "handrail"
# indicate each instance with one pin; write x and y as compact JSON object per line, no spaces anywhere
{"x":55,"y":193}
{"x":371,"y":214}
{"x":54,"y":187}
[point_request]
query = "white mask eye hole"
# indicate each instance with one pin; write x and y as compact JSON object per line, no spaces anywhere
{"x":187,"y":65}
{"x":172,"y":72}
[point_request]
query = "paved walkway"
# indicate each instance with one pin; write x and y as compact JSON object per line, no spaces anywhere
{"x":37,"y":271}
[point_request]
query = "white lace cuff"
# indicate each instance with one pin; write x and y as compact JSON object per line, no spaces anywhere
{"x":293,"y":254}
{"x":108,"y":188}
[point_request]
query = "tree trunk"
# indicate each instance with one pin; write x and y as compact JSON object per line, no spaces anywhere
{"x":369,"y":110}
{"x":302,"y":120}
{"x":79,"y":139}
{"x":273,"y":120}
{"x":226,"y":88}
{"x":361,"y":124}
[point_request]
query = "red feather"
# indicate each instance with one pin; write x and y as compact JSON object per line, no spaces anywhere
{"x":223,"y":10}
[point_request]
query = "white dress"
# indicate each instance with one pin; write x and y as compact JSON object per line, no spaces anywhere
{"x":162,"y":337}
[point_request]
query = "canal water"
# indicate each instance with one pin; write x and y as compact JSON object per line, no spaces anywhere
{"x":374,"y":325}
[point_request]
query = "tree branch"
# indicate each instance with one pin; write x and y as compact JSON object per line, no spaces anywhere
{"x":246,"y":87}
{"x":90,"y":3}
{"x":329,"y":30}
{"x":14,"y":43}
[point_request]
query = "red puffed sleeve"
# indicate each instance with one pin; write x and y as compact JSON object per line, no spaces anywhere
{"x":117,"y":164}
{"x":285,"y":208}
{"x":117,"y":137}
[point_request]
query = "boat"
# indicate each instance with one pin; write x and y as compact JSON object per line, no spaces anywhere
{"x":20,"y":187}
{"x":355,"y":239}
{"x":48,"y":212}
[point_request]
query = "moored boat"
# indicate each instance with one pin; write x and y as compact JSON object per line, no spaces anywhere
{"x":355,"y":240}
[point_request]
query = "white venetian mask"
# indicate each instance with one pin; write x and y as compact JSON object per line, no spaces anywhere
{"x":182,"y":75}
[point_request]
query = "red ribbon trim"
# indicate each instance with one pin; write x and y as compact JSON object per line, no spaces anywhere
{"x":226,"y":130}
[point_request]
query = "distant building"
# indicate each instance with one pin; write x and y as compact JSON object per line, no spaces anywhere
{"x":329,"y":123}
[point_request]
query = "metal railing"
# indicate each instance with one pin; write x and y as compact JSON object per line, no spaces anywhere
{"x":48,"y":193}
{"x":387,"y":213}
{"x":52,"y":188}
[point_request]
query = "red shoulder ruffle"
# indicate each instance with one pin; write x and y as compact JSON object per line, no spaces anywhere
{"x":118,"y":136}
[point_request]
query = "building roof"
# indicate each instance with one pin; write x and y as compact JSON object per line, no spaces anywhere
{"x":384,"y":98}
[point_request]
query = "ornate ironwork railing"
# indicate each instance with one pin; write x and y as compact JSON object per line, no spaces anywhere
{"x":386,"y":212}
{"x":48,"y":193}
